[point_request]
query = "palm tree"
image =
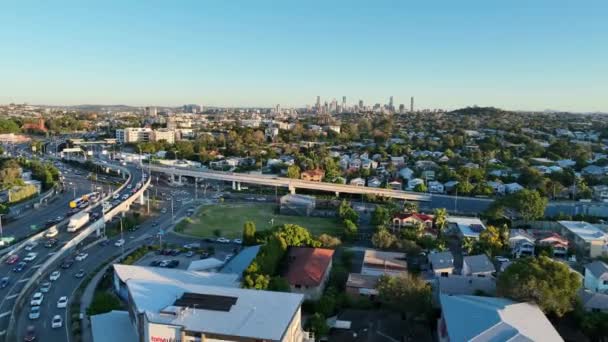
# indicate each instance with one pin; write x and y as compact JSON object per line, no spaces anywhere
{"x":440,"y":219}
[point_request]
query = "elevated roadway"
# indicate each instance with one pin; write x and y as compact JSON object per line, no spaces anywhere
{"x":291,"y":184}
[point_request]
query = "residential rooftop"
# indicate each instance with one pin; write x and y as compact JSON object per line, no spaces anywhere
{"x":584,"y":230}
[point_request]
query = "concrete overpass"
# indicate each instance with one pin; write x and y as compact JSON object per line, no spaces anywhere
{"x":291,"y":184}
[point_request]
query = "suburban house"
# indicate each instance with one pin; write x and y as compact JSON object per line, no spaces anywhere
{"x":315,"y":175}
{"x":395,"y":185}
{"x":300,"y":205}
{"x":477,"y":266}
{"x":308,"y":270}
{"x":436,"y":187}
{"x":410,"y":220}
{"x":469,"y":227}
{"x":593,"y":301}
{"x":587,"y":238}
{"x":442,"y":263}
{"x":406,"y":173}
{"x":413,"y":183}
{"x":374,"y":182}
{"x":556,"y":241}
{"x":475,"y":318}
{"x":513,"y":187}
{"x":362,"y":285}
{"x":465,"y":285}
{"x":521,"y":243}
{"x":596,"y":277}
{"x":378,"y":263}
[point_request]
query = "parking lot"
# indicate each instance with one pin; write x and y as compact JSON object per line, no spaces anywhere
{"x":181,"y":258}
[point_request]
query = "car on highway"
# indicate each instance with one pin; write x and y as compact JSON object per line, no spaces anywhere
{"x":19,"y":267}
{"x":30,"y":246}
{"x":81,"y":256}
{"x":129,"y":186}
{"x":4,"y":282}
{"x":55,"y":275}
{"x":116,"y":196}
{"x":67,"y":263}
{"x":45,"y":287}
{"x":37,"y":299}
{"x":62,"y":302}
{"x":119,"y":242}
{"x":163,"y":211}
{"x":125,"y":197}
{"x":30,"y":256}
{"x":51,"y":233}
{"x":57,"y":322}
{"x":30,"y":334}
{"x":79,"y":274}
{"x":193,"y":245}
{"x":222,"y":240}
{"x":12,"y":259}
{"x":50,"y":243}
{"x":34,"y":312}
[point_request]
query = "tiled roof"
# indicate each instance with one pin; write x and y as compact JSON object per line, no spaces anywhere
{"x":307,"y":266}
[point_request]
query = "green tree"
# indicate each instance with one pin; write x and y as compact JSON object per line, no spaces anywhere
{"x":407,"y":294}
{"x":467,"y":245}
{"x":383,"y":239}
{"x":317,"y":325}
{"x":421,"y":188}
{"x":328,"y":241}
{"x":381,"y":216}
{"x":249,"y":233}
{"x":464,"y":187}
{"x":528,"y":203}
{"x":350,"y":229}
{"x":410,"y":207}
{"x":595,"y":325}
{"x":278,"y":284}
{"x":549,"y":284}
{"x":293,"y":171}
{"x":346,"y":212}
{"x":490,"y":241}
{"x":440,"y":219}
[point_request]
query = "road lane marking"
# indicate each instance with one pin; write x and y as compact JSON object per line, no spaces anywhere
{"x":12,"y":296}
{"x":23,"y":280}
{"x":4,"y":314}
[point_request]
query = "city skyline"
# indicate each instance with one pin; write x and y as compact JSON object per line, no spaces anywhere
{"x":513,"y":55}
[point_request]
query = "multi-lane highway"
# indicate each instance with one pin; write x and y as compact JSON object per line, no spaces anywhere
{"x":19,"y":276}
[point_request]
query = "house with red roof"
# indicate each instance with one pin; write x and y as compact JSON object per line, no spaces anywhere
{"x":402,"y":220}
{"x":549,"y":238}
{"x":308,"y":270}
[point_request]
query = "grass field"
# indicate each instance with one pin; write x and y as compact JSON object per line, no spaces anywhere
{"x":230,"y":218}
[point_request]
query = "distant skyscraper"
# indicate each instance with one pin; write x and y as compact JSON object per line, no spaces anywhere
{"x":401,"y":108}
{"x":318,"y":102}
{"x":412,"y":104}
{"x":360,"y":104}
{"x":390,"y":103}
{"x":150,"y":111}
{"x":344,"y":103}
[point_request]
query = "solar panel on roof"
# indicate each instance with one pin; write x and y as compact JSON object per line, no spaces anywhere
{"x":206,"y":301}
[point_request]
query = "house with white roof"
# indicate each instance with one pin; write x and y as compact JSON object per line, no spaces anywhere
{"x":436,"y":187}
{"x":465,"y":226}
{"x":475,"y":318}
{"x":588,"y":238}
{"x":406,"y":173}
{"x":414,"y":183}
{"x":477,"y":266}
{"x":374,"y":182}
{"x":513,"y":187}
{"x":357,"y":181}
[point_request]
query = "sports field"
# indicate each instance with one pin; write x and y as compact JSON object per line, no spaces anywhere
{"x":230,"y":218}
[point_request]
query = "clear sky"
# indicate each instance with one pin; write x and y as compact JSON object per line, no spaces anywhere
{"x":515,"y":54}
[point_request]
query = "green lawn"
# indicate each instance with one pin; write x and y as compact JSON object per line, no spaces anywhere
{"x":230,"y":218}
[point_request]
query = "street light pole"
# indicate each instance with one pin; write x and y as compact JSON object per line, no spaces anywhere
{"x":123,"y":240}
{"x":172,"y":214}
{"x":1,"y":231}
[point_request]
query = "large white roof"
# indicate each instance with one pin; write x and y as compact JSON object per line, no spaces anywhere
{"x":170,"y":275}
{"x":468,"y":226}
{"x":584,"y":230}
{"x":256,"y":314}
{"x":474,"y":318}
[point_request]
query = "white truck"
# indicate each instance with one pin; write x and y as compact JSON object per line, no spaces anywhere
{"x":77,"y":221}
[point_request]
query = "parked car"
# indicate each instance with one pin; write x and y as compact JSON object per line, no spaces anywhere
{"x":237,"y":241}
{"x":155,"y":263}
{"x":79,"y":274}
{"x":55,"y":275}
{"x":62,"y":303}
{"x":57,"y":322}
{"x":222,"y":240}
{"x":19,"y":267}
{"x":175,"y":252}
{"x":119,"y":242}
{"x":37,"y":299}
{"x":190,"y":254}
{"x":173,"y":264}
{"x":34,"y":312}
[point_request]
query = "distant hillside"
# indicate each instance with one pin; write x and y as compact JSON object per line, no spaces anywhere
{"x":478,"y":111}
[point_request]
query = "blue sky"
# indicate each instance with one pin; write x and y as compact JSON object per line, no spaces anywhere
{"x":516,"y":54}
